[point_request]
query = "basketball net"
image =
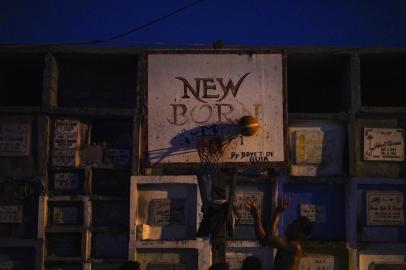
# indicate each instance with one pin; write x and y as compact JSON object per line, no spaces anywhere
{"x":210,"y":150}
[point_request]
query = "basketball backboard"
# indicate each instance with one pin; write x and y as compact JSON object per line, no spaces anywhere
{"x":191,"y":93}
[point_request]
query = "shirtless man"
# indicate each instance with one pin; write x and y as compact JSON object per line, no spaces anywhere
{"x":289,"y":247}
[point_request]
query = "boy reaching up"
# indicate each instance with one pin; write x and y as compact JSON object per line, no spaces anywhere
{"x":289,"y":248}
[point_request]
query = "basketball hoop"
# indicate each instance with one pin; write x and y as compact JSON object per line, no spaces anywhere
{"x":211,"y":149}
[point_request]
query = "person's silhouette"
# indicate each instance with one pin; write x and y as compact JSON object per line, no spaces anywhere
{"x":289,"y":247}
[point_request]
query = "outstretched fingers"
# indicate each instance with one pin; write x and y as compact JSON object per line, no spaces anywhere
{"x":283,"y":203}
{"x":249,"y":204}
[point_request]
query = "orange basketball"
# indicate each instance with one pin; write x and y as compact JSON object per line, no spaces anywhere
{"x":248,"y":125}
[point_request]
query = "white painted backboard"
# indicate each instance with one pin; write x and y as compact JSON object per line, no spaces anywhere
{"x":188,"y":93}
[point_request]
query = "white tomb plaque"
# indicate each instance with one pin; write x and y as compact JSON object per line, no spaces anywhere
{"x":65,"y":215}
{"x":65,"y":158}
{"x":66,"y":135}
{"x":241,"y":197}
{"x":11,"y":214}
{"x":164,"y":212}
{"x":315,"y":213}
{"x":66,"y":181}
{"x":385,"y":144}
{"x":309,"y":146}
{"x":385,"y":208}
{"x":119,"y":157}
{"x":15,"y":139}
{"x":317,"y":262}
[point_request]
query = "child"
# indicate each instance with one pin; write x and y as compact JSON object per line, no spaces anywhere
{"x":289,"y":247}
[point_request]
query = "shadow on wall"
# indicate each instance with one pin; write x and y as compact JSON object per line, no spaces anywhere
{"x":186,"y":141}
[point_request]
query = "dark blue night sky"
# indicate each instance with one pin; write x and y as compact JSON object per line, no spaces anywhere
{"x":246,"y":23}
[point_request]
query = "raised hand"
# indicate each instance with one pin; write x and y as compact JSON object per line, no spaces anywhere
{"x":250,"y":206}
{"x":283,"y":203}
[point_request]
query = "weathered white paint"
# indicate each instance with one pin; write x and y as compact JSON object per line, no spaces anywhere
{"x":147,"y":188}
{"x":260,"y":89}
{"x":147,"y":200}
